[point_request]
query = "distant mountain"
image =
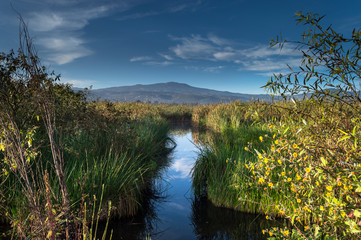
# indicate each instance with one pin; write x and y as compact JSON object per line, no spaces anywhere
{"x":170,"y":92}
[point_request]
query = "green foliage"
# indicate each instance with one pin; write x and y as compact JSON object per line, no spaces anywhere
{"x":315,"y":156}
{"x":216,"y":173}
{"x":330,"y":64}
{"x":121,"y":147}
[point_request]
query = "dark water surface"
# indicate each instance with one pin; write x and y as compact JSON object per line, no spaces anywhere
{"x":178,"y":214}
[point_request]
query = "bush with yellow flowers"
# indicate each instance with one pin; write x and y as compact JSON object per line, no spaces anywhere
{"x":311,"y":175}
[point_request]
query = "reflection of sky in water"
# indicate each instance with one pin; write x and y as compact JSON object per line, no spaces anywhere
{"x":174,"y":213}
{"x":183,"y":157}
{"x":179,"y":216}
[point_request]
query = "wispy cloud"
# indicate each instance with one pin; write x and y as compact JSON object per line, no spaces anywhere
{"x":269,"y":64}
{"x":194,"y":47}
{"x":168,"y":8}
{"x":140,"y":59}
{"x":166,"y":56}
{"x":64,"y":49}
{"x":159,"y":63}
{"x":259,"y":58}
{"x":59,"y":29}
{"x":215,"y":69}
{"x":65,"y":20}
{"x":81,"y":83}
{"x":147,"y":60}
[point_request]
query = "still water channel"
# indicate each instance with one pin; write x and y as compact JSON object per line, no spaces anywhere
{"x":178,"y":214}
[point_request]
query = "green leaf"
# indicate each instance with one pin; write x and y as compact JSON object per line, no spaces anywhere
{"x":343,"y":138}
{"x":285,"y":131}
{"x":342,"y":131}
{"x":323,"y":161}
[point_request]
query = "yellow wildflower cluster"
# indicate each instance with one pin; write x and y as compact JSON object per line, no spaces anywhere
{"x":291,"y":169}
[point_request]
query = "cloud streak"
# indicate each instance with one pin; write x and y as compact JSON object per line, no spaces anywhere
{"x":59,"y":32}
{"x":260,"y":58}
{"x":140,"y":59}
{"x":171,"y":8}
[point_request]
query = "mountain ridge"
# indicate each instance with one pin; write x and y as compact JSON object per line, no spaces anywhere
{"x":170,"y":92}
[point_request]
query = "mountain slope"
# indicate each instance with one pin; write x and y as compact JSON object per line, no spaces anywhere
{"x":170,"y":92}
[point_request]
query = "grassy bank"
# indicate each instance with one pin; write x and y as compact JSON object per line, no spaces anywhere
{"x":112,"y":152}
{"x":230,"y":129}
{"x":296,"y":160}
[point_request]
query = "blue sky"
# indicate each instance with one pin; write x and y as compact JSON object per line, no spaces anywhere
{"x":222,"y":45}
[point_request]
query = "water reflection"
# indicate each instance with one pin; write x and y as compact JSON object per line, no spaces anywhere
{"x":176,"y":214}
{"x":211,"y":223}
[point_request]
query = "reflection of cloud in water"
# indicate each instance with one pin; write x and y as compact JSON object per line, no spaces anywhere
{"x":177,"y":206}
{"x":181,"y":167}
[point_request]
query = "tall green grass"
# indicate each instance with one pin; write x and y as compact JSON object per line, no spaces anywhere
{"x":220,"y":172}
{"x":127,"y":169}
{"x":101,"y":147}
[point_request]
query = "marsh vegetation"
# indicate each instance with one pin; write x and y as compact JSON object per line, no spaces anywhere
{"x":67,"y":163}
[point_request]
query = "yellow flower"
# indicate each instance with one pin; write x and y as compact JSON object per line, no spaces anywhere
{"x":307,"y":209}
{"x":246,"y":165}
{"x":329,"y":188}
{"x":276,"y":142}
{"x":260,"y":156}
{"x":307,"y":227}
{"x":261,"y":138}
{"x":298,"y":177}
{"x":274,"y":135}
{"x":260,"y":180}
{"x":339,"y":183}
{"x":279,"y":161}
{"x":270,"y":233}
{"x":321,"y":207}
{"x":265,"y":160}
{"x":298,"y":200}
{"x":343,"y":214}
{"x":2,"y":147}
{"x":295,"y":145}
{"x":308,"y":169}
{"x":286,"y":233}
{"x":328,"y":194}
{"x":283,"y":173}
{"x":246,"y":148}
{"x":295,"y":154}
{"x":289,"y":179}
{"x":270,"y":184}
